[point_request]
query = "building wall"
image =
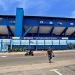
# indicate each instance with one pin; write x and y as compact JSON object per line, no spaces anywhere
{"x":22,"y":45}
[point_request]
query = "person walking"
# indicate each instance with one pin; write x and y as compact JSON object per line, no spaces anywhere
{"x":50,"y":52}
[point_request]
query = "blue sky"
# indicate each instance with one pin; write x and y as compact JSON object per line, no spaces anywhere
{"x":54,"y":8}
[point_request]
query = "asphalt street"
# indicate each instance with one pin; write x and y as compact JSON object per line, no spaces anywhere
{"x":66,"y":70}
{"x":13,"y":60}
{"x":20,"y":59}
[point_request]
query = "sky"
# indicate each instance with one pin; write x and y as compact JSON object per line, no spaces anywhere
{"x":51,"y":8}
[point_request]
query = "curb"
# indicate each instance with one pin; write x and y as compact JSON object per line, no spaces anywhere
{"x":36,"y":52}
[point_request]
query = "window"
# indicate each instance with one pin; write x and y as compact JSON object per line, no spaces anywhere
{"x":41,"y":22}
{"x":60,"y":23}
{"x":40,"y":42}
{"x":7,"y":41}
{"x":63,"y":42}
{"x":24,"y":42}
{"x":71,"y":23}
{"x":32,"y":42}
{"x":48,"y":42}
{"x":50,"y":22}
{"x":70,"y":41}
{"x":55,"y":42}
{"x":15,"y":42}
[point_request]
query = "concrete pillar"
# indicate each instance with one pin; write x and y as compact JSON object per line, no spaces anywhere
{"x":19,"y":23}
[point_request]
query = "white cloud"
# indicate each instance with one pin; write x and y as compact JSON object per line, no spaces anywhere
{"x":5,"y":4}
{"x":39,"y":7}
{"x":31,"y":7}
{"x":73,"y":14}
{"x":2,"y":4}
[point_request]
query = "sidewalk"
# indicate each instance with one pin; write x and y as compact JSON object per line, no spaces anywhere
{"x":36,"y":52}
{"x":37,"y":66}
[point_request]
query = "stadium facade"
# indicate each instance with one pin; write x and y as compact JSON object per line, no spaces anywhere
{"x":19,"y":33}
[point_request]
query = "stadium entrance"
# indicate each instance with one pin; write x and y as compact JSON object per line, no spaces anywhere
{"x":21,"y":45}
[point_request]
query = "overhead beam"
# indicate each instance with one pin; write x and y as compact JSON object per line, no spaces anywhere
{"x":73,"y":34}
{"x":23,"y":30}
{"x":38,"y":29}
{"x":47,"y":35}
{"x":51,"y":31}
{"x":42,"y":21}
{"x":27,"y":31}
{"x":38,"y":20}
{"x":49,"y":21}
{"x":5,"y":36}
{"x":9,"y":30}
{"x":64,"y":31}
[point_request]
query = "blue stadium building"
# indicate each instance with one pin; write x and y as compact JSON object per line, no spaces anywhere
{"x":20,"y":33}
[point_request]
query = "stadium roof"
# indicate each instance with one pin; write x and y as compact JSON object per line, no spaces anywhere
{"x":58,"y":26}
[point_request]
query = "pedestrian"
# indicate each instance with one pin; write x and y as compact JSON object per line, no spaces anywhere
{"x":50,"y":52}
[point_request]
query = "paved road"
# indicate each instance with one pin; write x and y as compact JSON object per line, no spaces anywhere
{"x":12,"y":60}
{"x":16,"y":60}
{"x":66,"y":70}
